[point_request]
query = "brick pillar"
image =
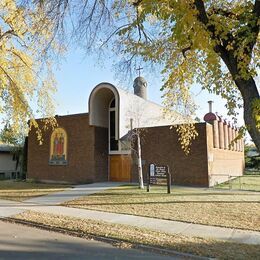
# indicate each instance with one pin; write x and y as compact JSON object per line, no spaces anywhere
{"x":236,"y":143}
{"x":233,"y":137}
{"x":230,"y":135}
{"x":242,"y":145}
{"x":221,"y":133}
{"x":215,"y":134}
{"x":226,"y":140}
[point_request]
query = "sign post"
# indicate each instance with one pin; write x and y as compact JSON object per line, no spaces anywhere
{"x":159,"y":175}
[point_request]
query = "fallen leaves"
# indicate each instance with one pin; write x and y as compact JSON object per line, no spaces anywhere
{"x":130,"y":236}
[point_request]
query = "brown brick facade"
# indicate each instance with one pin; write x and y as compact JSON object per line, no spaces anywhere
{"x":160,"y":145}
{"x":203,"y":166}
{"x":87,"y":153}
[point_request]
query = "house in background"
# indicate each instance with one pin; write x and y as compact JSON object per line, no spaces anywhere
{"x":92,"y":147}
{"x":9,"y":167}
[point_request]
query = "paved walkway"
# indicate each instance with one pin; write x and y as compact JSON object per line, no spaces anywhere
{"x":49,"y":204}
{"x":74,"y":193}
{"x":10,"y":208}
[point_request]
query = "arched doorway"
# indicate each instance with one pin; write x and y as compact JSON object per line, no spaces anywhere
{"x":104,"y":109}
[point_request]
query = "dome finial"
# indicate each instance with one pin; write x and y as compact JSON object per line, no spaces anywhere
{"x":140,"y":87}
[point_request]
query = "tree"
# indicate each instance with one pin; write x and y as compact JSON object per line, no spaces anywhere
{"x":213,"y":43}
{"x":134,"y":139}
{"x":7,"y":136}
{"x":25,"y":66}
{"x":133,"y":142}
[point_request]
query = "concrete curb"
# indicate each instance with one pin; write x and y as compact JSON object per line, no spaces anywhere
{"x":109,"y":240}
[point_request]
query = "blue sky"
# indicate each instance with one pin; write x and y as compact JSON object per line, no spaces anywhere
{"x":78,"y":74}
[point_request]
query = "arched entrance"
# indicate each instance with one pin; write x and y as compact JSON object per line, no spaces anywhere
{"x":104,"y":109}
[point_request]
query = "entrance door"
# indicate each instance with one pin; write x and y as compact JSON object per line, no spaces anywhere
{"x":120,"y":167}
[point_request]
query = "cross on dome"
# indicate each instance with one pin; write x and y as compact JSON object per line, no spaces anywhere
{"x":139,"y":70}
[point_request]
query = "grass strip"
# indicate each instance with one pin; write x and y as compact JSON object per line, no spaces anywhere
{"x":22,"y":190}
{"x":245,"y":182}
{"x":132,"y":235}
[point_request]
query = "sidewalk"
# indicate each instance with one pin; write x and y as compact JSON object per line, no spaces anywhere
{"x":10,"y":208}
{"x":49,"y":204}
{"x":74,"y":193}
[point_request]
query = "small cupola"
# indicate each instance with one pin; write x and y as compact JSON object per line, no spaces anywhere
{"x":140,"y":87}
{"x":210,"y":116}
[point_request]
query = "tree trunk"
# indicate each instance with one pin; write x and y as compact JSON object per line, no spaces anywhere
{"x":247,"y":87}
{"x":140,"y":171}
{"x":249,"y":93}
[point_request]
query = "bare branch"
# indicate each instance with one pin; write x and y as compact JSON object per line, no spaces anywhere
{"x":8,"y":33}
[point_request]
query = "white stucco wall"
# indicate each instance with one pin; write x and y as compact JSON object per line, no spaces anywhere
{"x":143,"y":112}
{"x":99,"y":100}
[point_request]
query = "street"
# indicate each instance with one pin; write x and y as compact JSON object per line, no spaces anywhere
{"x":22,"y":242}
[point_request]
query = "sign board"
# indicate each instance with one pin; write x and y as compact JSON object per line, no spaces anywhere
{"x":159,"y":175}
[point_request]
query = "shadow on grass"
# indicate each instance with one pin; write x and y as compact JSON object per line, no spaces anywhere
{"x":164,"y":194}
{"x":158,"y":202}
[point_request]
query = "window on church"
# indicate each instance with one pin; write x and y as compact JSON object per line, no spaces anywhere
{"x":113,"y":103}
{"x":58,"y":147}
{"x":112,"y":131}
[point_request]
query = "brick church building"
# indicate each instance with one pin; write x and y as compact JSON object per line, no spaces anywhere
{"x":94,"y":146}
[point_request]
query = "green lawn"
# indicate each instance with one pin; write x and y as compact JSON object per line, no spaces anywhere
{"x":196,"y":205}
{"x":251,"y":172}
{"x":246,"y":182}
{"x":22,"y":190}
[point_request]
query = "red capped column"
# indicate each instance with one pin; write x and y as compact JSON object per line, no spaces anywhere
{"x":213,"y":120}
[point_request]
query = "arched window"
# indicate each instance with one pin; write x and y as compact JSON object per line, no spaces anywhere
{"x":113,"y":103}
{"x":58,"y":147}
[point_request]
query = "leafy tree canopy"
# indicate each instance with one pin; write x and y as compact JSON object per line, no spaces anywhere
{"x":213,"y":42}
{"x":25,"y":69}
{"x":7,"y":136}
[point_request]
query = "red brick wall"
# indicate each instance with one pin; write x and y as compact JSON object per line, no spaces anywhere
{"x":88,"y":156}
{"x":101,"y":154}
{"x":82,"y":159}
{"x":160,"y":145}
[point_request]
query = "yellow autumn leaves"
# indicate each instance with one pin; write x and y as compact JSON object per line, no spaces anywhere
{"x":25,"y":80}
{"x":185,"y":49}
